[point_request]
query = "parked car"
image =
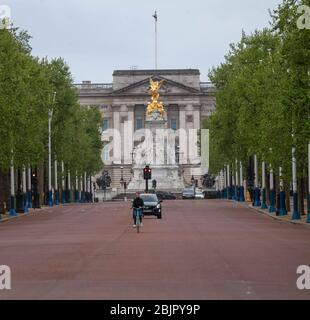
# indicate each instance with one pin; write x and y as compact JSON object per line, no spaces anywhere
{"x":152,"y":205}
{"x":188,"y":193}
{"x":199,"y":194}
{"x":163,"y":195}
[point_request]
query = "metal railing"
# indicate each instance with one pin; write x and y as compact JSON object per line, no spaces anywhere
{"x":94,"y":86}
{"x":207,"y":85}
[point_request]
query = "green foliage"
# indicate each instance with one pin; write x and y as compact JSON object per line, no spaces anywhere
{"x":263,"y":95}
{"x":27,"y":87}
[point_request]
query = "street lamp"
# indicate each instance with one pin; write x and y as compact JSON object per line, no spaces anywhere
{"x":122,"y":178}
{"x":50,"y":116}
{"x":308,"y":215}
{"x":177,"y":154}
{"x":192,"y":180}
{"x":123,"y":184}
{"x":257,"y":202}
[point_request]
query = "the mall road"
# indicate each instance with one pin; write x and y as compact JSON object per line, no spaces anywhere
{"x":206,"y":249}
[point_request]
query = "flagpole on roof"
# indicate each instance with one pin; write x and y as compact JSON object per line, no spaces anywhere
{"x":155,"y":17}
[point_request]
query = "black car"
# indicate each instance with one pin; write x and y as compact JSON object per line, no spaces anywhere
{"x":163,"y":195}
{"x":152,"y":205}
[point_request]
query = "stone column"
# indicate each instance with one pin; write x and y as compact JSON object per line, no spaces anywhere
{"x":183,"y":136}
{"x":117,"y":152}
{"x":128,"y":135}
{"x":197,"y":123}
{"x":193,"y":135}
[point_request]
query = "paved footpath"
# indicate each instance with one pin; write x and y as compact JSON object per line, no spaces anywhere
{"x":205,"y":249}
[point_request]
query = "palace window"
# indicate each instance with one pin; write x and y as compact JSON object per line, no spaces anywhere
{"x":105,"y":124}
{"x":139,"y":123}
{"x":106,"y":155}
{"x":174,"y":124}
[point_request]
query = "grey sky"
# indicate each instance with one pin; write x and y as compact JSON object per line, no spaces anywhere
{"x":97,"y":36}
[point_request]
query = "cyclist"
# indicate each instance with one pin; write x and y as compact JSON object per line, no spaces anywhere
{"x":136,"y":205}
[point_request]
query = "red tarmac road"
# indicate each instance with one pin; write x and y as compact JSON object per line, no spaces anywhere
{"x":200,"y":250}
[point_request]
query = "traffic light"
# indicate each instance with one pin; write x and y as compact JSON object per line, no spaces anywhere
{"x":34,"y":181}
{"x":147,"y":173}
{"x":35,"y":190}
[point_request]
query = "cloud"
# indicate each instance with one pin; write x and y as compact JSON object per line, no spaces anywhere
{"x":97,"y":36}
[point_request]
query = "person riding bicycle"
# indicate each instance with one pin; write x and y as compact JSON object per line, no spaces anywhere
{"x":137,"y":207}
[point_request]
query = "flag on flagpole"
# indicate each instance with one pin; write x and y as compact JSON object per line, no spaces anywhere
{"x":155,"y":16}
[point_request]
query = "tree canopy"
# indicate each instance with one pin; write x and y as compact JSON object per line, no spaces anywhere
{"x":27,"y":87}
{"x":263,"y":95}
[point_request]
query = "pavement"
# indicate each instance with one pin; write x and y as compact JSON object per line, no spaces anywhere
{"x":208,"y":249}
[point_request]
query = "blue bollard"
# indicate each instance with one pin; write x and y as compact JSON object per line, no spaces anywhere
{"x":235,"y":194}
{"x":83,"y":197}
{"x":241,"y":195}
{"x":13,"y":206}
{"x":272,"y":207}
{"x":281,"y":206}
{"x":308,"y":216}
{"x":26,"y":210}
{"x":50,"y":198}
{"x":69,"y":196}
{"x":296,"y":213}
{"x":56,"y":198}
{"x":264,"y":204}
{"x":257,"y":202}
{"x":29,"y":202}
{"x":229,"y":193}
{"x":76,"y":196}
{"x":63,"y":196}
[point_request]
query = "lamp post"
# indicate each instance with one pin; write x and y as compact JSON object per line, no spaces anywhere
{"x":241,"y":193}
{"x":257,"y":202}
{"x":237,"y":182}
{"x":122,"y":178}
{"x":296,"y":213}
{"x":85,"y":190}
{"x":192,"y":180}
{"x":56,"y":194}
{"x":50,"y":194}
{"x":92,"y":193}
{"x":225,"y":183}
{"x":81,"y":190}
{"x":76,"y":193}
{"x":29,"y":188}
{"x":264,"y":204}
{"x":281,"y":206}
{"x":69,"y":186}
{"x":272,"y":208}
{"x":308,"y":215}
{"x":25,"y":190}
{"x":63,"y":183}
{"x":229,"y":195}
{"x":12,"y":198}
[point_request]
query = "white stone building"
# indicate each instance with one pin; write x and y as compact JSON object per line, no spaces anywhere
{"x":123,"y":104}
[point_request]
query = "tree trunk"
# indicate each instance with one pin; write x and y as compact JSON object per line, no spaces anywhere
{"x":287,"y":197}
{"x":301,"y":195}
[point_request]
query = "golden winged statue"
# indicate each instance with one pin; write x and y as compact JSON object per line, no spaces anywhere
{"x":155,"y":105}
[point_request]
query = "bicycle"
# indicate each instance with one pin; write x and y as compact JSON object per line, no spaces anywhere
{"x":138,"y":214}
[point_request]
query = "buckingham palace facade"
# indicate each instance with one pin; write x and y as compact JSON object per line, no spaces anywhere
{"x":187,"y":102}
